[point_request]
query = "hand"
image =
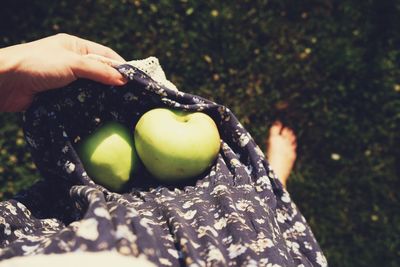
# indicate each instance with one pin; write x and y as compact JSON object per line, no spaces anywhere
{"x":52,"y":62}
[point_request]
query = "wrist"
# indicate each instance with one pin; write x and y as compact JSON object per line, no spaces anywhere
{"x":10,"y":60}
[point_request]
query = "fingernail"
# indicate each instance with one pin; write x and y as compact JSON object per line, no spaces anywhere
{"x":122,"y":80}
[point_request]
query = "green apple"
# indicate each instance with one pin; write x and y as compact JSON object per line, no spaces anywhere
{"x":174,"y":145}
{"x":108,"y":155}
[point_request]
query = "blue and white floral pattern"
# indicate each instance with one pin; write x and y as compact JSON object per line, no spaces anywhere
{"x":236,"y":214}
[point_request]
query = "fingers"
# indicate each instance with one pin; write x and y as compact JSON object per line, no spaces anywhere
{"x":88,"y":68}
{"x":105,"y":60}
{"x":89,"y":47}
{"x":84,"y":47}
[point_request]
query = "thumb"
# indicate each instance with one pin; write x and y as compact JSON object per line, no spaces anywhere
{"x":97,"y":70}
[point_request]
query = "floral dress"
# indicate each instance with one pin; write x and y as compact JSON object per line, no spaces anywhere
{"x":235,"y":214}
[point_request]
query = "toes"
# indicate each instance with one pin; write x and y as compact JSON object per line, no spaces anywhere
{"x":275,"y":128}
{"x":292,"y":138}
{"x":289,"y":134}
{"x":294,"y":145}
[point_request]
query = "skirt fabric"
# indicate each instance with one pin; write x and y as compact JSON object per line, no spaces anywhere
{"x":235,"y":214}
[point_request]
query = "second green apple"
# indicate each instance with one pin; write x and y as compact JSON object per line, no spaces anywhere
{"x":109,"y":156}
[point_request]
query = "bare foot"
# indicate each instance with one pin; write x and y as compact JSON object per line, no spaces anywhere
{"x":281,"y":150}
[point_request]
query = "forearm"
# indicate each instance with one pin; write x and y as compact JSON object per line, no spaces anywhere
{"x":9,"y":62}
{"x":24,"y":72}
